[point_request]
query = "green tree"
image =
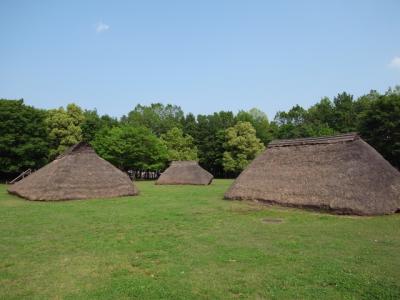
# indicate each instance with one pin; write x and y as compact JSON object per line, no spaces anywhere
{"x":298,"y":122}
{"x":64,"y":128}
{"x":395,"y":90}
{"x":209,"y":138}
{"x":23,"y":137}
{"x":241,"y":147}
{"x":260,"y":122}
{"x":322,"y":113}
{"x":131,"y":148}
{"x":295,"y":116}
{"x":362,"y":104}
{"x":290,"y":124}
{"x":180,"y":146}
{"x":380,"y":126}
{"x":159,"y":118}
{"x":189,"y":124}
{"x":90,"y":125}
{"x":345,"y":116}
{"x":93,"y":123}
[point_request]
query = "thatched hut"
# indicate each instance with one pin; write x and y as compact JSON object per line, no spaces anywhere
{"x":79,"y":173}
{"x":340,"y":173}
{"x":185,"y":172}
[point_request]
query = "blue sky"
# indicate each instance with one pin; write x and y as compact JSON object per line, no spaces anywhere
{"x":205,"y":56}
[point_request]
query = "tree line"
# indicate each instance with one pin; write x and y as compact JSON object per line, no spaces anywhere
{"x":224,"y":143}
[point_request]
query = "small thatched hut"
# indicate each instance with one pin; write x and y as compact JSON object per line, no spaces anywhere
{"x":185,"y":172}
{"x":79,"y":173}
{"x":341,"y":173}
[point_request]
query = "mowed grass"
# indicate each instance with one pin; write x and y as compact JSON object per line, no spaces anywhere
{"x":185,"y":242}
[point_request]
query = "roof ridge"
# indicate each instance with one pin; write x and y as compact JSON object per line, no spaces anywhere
{"x":75,"y":148}
{"x":339,"y":138}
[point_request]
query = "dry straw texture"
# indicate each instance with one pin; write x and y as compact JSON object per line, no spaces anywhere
{"x":79,"y":173}
{"x":185,"y":172}
{"x":341,"y":173}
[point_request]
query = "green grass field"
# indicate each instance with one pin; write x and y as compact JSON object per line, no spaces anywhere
{"x":184,"y":242}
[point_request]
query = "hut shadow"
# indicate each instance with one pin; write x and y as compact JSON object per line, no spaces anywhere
{"x":257,"y":205}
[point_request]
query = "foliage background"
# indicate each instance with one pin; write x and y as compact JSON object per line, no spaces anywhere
{"x":148,"y":137}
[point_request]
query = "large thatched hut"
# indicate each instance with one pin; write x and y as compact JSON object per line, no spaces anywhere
{"x":340,"y":173}
{"x":79,"y":173}
{"x":185,"y":172}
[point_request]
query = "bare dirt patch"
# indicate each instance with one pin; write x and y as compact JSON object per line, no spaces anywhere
{"x":272,"y":220}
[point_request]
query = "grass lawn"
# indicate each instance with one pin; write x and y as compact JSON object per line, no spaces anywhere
{"x":184,"y":242}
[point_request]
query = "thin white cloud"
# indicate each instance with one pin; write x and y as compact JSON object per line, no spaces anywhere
{"x":101,"y":27}
{"x":395,"y":62}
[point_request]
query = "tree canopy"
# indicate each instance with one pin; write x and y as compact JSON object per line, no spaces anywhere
{"x":380,"y":126}
{"x":64,"y":127}
{"x":93,"y":123}
{"x":159,"y":118}
{"x":223,"y":142}
{"x":179,"y":146}
{"x":209,"y":139}
{"x":129,"y":147}
{"x":259,"y":120}
{"x":241,"y":147}
{"x":23,"y":137}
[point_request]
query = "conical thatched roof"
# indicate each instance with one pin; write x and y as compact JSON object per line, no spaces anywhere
{"x":79,"y":173}
{"x":341,"y":173}
{"x":185,"y":172}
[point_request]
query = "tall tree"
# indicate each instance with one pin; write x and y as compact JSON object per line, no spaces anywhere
{"x":322,"y":112}
{"x":241,"y":147}
{"x":93,"y":123}
{"x":189,"y":124}
{"x":209,"y":139}
{"x":64,"y":127}
{"x":380,"y":126}
{"x":23,"y":137}
{"x":298,"y":122}
{"x":260,"y":122}
{"x":290,"y":124}
{"x":131,"y":148}
{"x":345,"y":117}
{"x":362,"y":105}
{"x":159,"y":118}
{"x":179,"y":146}
{"x":395,"y":90}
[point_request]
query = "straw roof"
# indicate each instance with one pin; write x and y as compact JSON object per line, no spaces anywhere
{"x":185,"y":172}
{"x":341,"y":173}
{"x":79,"y":173}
